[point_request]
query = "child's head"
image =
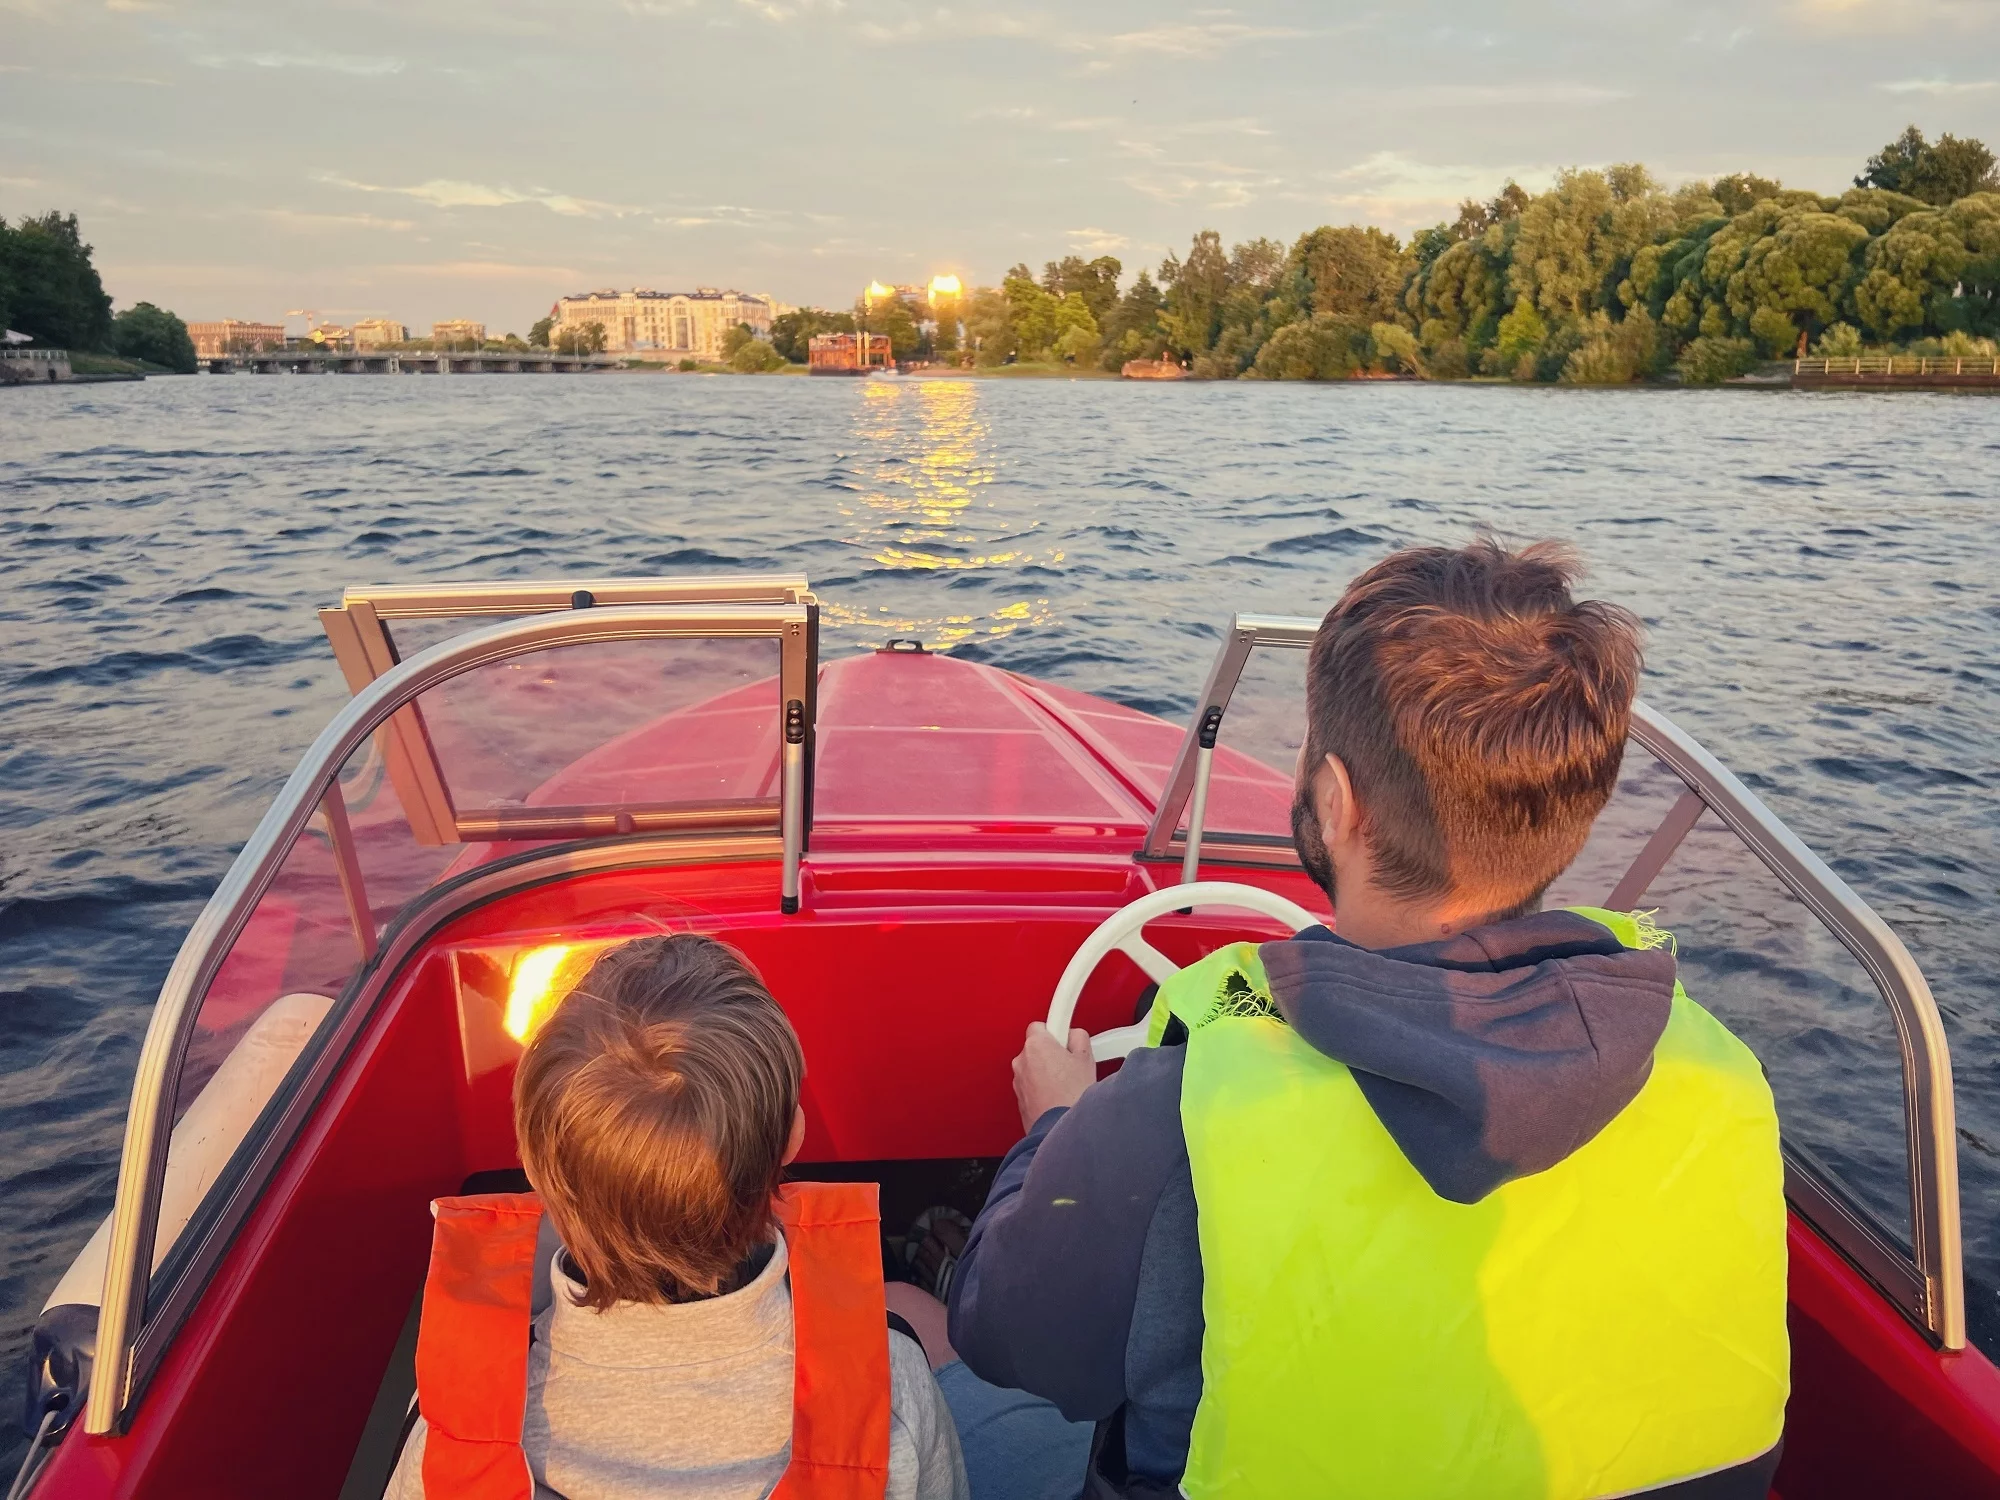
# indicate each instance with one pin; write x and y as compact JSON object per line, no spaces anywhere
{"x":655,"y":1109}
{"x":1480,"y":714}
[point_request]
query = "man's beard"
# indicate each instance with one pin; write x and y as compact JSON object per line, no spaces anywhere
{"x":1307,"y":840}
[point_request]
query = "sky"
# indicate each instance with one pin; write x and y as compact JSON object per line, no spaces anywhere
{"x":428,"y":159}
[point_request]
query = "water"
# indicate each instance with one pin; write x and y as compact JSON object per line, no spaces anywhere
{"x":1818,"y":573}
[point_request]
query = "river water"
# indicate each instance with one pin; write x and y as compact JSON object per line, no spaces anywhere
{"x":1820,"y":575}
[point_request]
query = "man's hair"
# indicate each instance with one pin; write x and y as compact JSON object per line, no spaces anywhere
{"x":653,"y":1109}
{"x":1481,"y":713}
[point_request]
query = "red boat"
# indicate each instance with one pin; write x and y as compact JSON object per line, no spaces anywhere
{"x":526,"y":771}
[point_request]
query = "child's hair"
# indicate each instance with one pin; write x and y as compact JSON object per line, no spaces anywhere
{"x":653,"y":1109}
{"x":1481,"y":713}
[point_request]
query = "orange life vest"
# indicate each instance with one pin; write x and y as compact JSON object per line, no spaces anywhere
{"x":472,"y":1344}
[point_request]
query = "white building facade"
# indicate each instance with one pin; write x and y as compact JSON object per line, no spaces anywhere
{"x":684,"y":324}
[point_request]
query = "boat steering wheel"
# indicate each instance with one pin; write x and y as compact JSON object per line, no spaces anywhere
{"x":1121,"y":930}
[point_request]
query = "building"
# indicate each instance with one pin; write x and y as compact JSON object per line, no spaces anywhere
{"x":231,"y":336}
{"x":458,"y":332}
{"x":848,"y":353}
{"x":331,"y":336}
{"x":373,"y":333}
{"x":688,"y":325}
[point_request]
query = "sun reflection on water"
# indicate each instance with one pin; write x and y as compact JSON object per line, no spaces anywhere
{"x":926,"y":453}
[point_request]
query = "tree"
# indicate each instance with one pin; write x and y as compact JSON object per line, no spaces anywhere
{"x":1358,"y":272}
{"x":1710,"y":361}
{"x":154,"y":335}
{"x":538,"y":336}
{"x":585,"y":339}
{"x":896,"y":320}
{"x":1326,"y":347}
{"x":1521,"y":335}
{"x":1614,"y":353}
{"x":1796,"y":278}
{"x":1475,"y":218}
{"x":792,"y":333}
{"x":1032,"y":312}
{"x":1133,"y":330}
{"x":54,"y":290}
{"x":1096,"y":281}
{"x":989,"y":323}
{"x":1077,"y":341}
{"x":753,"y":356}
{"x":1196,"y":287}
{"x":736,"y":338}
{"x":1741,"y":191}
{"x":1937,"y":270}
{"x":1461,"y":298}
{"x":1940,"y":174}
{"x":1396,"y":348}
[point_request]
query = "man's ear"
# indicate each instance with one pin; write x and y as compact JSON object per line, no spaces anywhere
{"x":797,"y":1140}
{"x":1333,"y":801}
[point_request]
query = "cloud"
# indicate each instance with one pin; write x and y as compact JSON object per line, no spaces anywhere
{"x":483,"y":270}
{"x":1184,"y":39}
{"x":785,"y":10}
{"x":322,"y":62}
{"x":446,"y":192}
{"x":1893,"y":15}
{"x":1937,"y":87}
{"x":1095,"y":241}
{"x":1401,"y":192}
{"x":1555,"y":93}
{"x":289,"y":218}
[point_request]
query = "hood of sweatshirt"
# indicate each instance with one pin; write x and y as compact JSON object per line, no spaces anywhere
{"x":1491,"y":1055}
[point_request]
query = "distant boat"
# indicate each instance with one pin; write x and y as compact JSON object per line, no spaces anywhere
{"x":887,"y":372}
{"x":1153,"y":369}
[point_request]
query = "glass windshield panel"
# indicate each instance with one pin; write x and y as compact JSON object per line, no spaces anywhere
{"x":267,"y":1002}
{"x":628,"y":725}
{"x":420,"y":632}
{"x":1257,"y":750}
{"x":395,"y":867}
{"x":1770,"y":970}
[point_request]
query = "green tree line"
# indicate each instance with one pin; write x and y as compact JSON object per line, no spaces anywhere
{"x":1605,"y":278}
{"x":50,"y":290}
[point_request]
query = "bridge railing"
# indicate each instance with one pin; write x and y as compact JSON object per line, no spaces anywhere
{"x":1898,"y":364}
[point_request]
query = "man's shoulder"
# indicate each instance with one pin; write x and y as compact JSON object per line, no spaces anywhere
{"x":1147,"y":1085}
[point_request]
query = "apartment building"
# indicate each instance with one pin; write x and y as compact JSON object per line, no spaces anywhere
{"x":373,"y":333}
{"x":231,"y":335}
{"x":683,"y":324}
{"x":458,"y":333}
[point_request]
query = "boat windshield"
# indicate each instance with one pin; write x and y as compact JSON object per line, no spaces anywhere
{"x":685,"y":731}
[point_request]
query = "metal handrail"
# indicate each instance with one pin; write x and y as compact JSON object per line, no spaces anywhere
{"x":148,"y":1124}
{"x":1929,"y":1119}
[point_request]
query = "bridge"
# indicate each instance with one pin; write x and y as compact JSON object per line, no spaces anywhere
{"x":406,"y":362}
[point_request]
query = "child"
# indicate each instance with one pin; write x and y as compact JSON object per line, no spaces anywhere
{"x":710,"y":1334}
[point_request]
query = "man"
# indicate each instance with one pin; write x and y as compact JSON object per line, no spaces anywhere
{"x":1458,"y":1198}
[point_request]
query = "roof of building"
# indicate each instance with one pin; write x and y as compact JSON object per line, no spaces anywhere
{"x":699,"y":294}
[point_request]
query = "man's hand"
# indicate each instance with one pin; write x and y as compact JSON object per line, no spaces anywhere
{"x":1047,"y":1076}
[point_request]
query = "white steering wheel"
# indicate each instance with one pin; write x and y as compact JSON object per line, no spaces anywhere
{"x":1120,"y":930}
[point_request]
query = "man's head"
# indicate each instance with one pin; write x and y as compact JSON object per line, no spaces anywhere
{"x":1465,"y":720}
{"x":655,"y":1109}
